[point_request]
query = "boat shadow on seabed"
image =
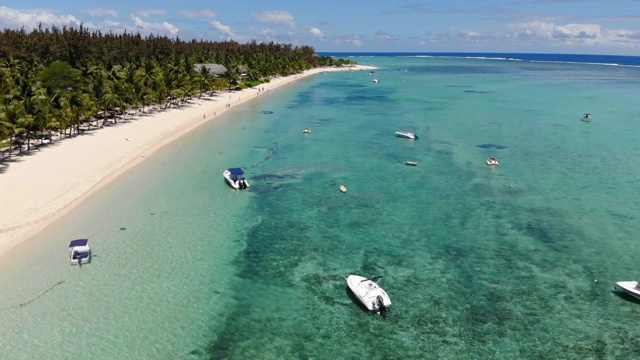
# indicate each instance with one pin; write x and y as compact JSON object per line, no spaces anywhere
{"x":624,"y":295}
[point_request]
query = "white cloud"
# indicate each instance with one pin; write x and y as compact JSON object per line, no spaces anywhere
{"x":472,"y":37}
{"x":591,"y":35}
{"x":382,"y":36}
{"x":198,"y":13}
{"x":148,"y":12}
{"x":31,"y":19}
{"x":626,"y":34}
{"x":100,"y":12}
{"x":623,"y":38}
{"x":569,"y":34}
{"x":316,"y":32}
{"x":282,"y":18}
{"x":148,"y":27}
{"x":354,"y":41}
{"x":170,"y":27}
{"x":468,"y":34}
{"x":111,"y":24}
{"x":224,"y":29}
{"x":269,"y":34}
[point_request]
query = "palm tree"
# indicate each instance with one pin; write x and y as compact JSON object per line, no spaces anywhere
{"x":204,"y":79}
{"x":9,"y":115}
{"x":114,"y":99}
{"x":74,"y":106}
{"x":99,"y":86}
{"x":143,"y":81}
{"x":159,"y":87}
{"x":49,"y":106}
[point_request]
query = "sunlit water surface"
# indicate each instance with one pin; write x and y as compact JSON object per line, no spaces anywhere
{"x":480,"y":262}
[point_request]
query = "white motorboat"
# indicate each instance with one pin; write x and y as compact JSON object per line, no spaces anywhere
{"x":307,"y":130}
{"x":79,"y":252}
{"x":411,"y":163}
{"x":235,"y":178}
{"x":376,"y":80}
{"x":492,"y":161}
{"x":370,"y":294}
{"x":586,"y":117}
{"x":631,"y":287}
{"x":343,"y":188}
{"x":407,"y":135}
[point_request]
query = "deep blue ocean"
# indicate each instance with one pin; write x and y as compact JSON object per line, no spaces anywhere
{"x":515,"y":261}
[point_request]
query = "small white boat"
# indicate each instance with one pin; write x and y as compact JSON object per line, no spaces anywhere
{"x":376,"y":81}
{"x":370,"y":294}
{"x":307,"y":130}
{"x":343,"y":188}
{"x":631,"y":287}
{"x":235,"y":178}
{"x":79,"y":252}
{"x":586,"y":117}
{"x":407,"y":135}
{"x":492,"y":161}
{"x":411,"y":163}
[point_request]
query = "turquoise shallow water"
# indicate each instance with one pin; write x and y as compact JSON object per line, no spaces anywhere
{"x":480,"y":262}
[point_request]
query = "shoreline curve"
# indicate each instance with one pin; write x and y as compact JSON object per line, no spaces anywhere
{"x":42,"y":188}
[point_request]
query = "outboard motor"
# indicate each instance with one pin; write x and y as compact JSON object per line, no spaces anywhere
{"x":380,"y":303}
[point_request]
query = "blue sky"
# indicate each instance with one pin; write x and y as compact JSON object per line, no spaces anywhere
{"x":548,"y":26}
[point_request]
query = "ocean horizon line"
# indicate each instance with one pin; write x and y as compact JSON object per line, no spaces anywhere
{"x":591,"y":59}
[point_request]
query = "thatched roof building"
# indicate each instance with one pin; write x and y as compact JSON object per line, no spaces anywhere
{"x":215,"y":69}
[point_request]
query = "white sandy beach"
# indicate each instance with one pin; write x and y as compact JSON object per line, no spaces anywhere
{"x":43,"y":185}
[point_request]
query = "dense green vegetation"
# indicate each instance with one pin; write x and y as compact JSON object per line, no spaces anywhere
{"x":53,"y":81}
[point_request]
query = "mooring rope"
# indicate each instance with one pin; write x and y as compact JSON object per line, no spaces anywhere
{"x":23,"y":304}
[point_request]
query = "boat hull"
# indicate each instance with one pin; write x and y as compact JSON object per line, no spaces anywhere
{"x":630,"y":287}
{"x":79,"y":261}
{"x":369,"y":293}
{"x":407,"y":135}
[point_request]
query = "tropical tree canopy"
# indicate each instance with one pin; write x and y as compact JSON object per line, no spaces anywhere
{"x":52,"y":80}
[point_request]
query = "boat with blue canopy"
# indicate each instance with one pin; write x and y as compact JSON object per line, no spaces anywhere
{"x":79,"y":252}
{"x":235,"y":178}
